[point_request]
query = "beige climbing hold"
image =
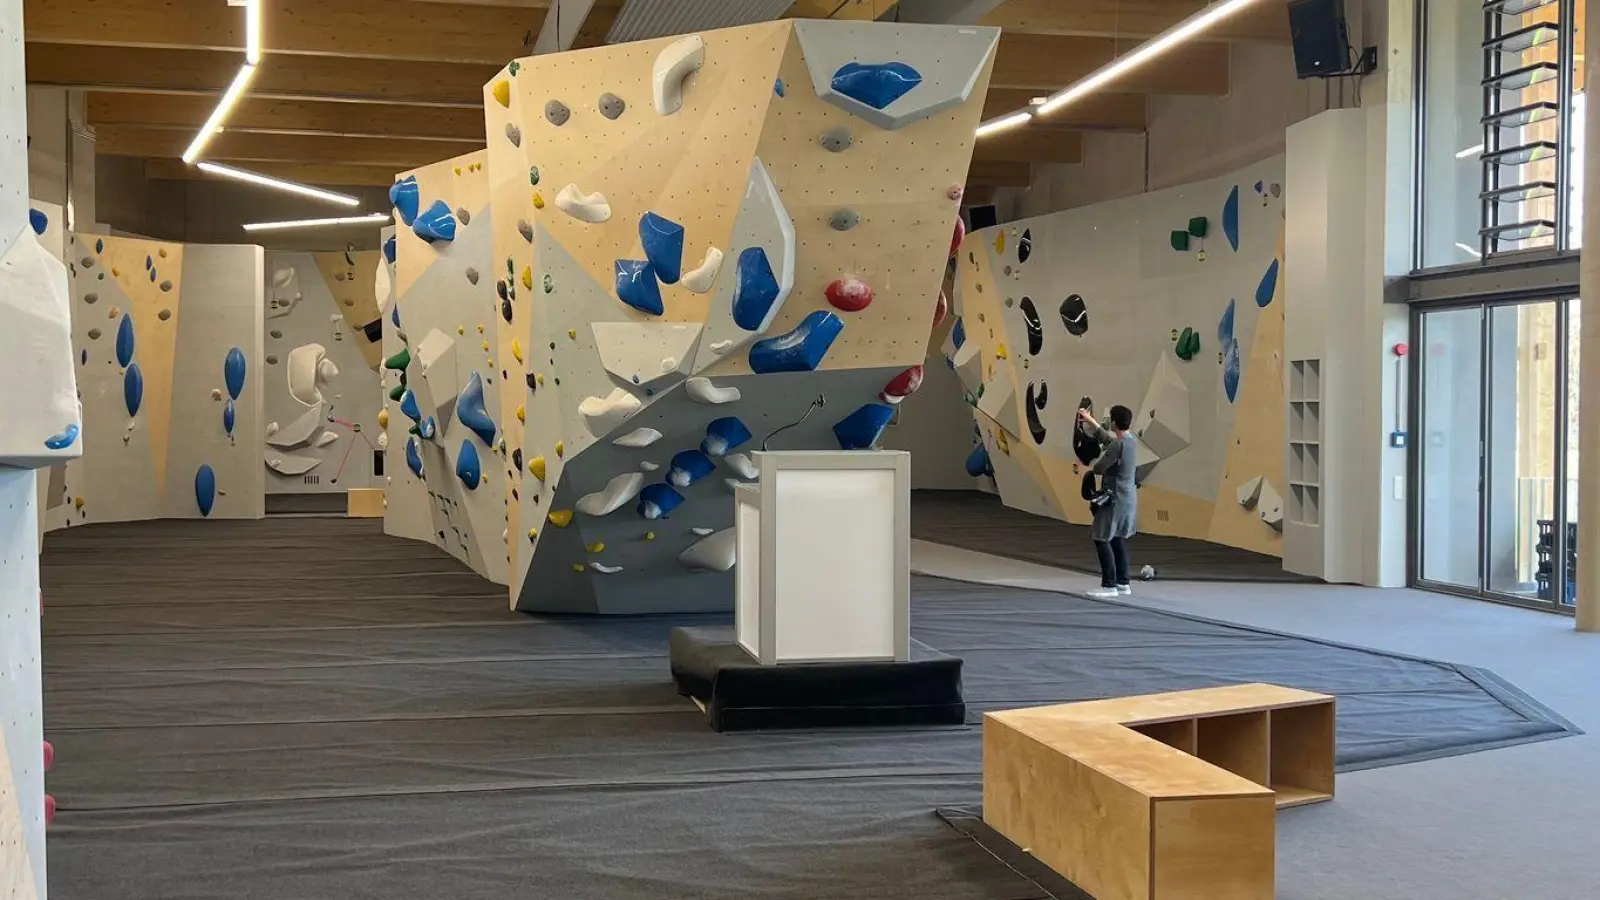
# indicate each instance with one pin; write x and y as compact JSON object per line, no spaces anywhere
{"x":383,"y":418}
{"x":162,"y":253}
{"x":522,"y":414}
{"x":1000,"y":351}
{"x":516,"y":349}
{"x":561,"y":448}
{"x":592,"y":208}
{"x":538,"y":201}
{"x":561,"y":518}
{"x":596,"y":547}
{"x":502,"y":96}
{"x":527,"y":277}
{"x":536,"y":467}
{"x":604,"y":569}
{"x":216,"y":394}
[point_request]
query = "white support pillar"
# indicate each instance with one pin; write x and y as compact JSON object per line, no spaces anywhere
{"x":1588,"y":586}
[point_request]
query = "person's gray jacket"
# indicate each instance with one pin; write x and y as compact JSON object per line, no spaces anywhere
{"x":1119,"y":517}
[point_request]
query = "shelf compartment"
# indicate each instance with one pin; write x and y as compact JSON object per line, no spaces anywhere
{"x":1520,"y":116}
{"x":1238,"y":742}
{"x":1522,"y":154}
{"x":1523,"y":39}
{"x":1523,"y":77}
{"x":1302,"y":757}
{"x":1521,"y":193}
{"x":1179,"y":734}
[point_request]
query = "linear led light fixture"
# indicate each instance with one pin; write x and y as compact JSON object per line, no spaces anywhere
{"x":230,"y":99}
{"x":369,"y":219}
{"x":252,"y":32}
{"x":278,"y":183}
{"x":1007,"y":121}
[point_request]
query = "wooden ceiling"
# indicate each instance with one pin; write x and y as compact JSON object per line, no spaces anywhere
{"x":351,"y":91}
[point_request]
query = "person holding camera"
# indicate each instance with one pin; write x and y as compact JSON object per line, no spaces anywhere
{"x":1116,"y":503}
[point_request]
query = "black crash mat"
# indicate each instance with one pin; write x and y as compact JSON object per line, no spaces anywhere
{"x":738,"y":693}
{"x":301,"y":709}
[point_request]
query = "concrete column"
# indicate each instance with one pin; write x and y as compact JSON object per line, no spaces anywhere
{"x":1588,"y":600}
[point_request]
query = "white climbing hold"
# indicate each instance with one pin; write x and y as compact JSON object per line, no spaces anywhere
{"x":1249,"y":493}
{"x":617,"y":491}
{"x":674,"y":64}
{"x":305,"y":365}
{"x":702,"y":531}
{"x":326,"y":370}
{"x":648,"y":466}
{"x":642,"y":352}
{"x":700,"y":279}
{"x":717,"y":552}
{"x":639,"y":437}
{"x":721,"y":347}
{"x":744,"y":465}
{"x":604,"y":569}
{"x":272,"y":428}
{"x":701,"y":390}
{"x":383,"y":440}
{"x":282,"y":278}
{"x":291,"y":463}
{"x":1270,"y":506}
{"x":300,"y":431}
{"x":326,"y":438}
{"x":591,"y":208}
{"x":601,"y":414}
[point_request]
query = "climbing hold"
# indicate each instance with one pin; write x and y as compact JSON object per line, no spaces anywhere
{"x":1225,"y":326}
{"x":414,"y":456}
{"x":513,"y":134}
{"x":657,"y":500}
{"x":941,"y":308}
{"x":561,"y":448}
{"x":1000,"y":242}
{"x":672,"y":67}
{"x":701,"y":390}
{"x":689,"y":466}
{"x":1230,"y":218}
{"x":1025,"y":245}
{"x":437,"y":223}
{"x":601,"y":414}
{"x":164,"y":315}
{"x":164,"y":286}
{"x":501,"y":90}
{"x":604,"y":569}
{"x":1268,"y":286}
{"x":700,"y":279}
{"x":799,"y":350}
{"x":1034,"y":327}
{"x":721,"y":347}
{"x":591,"y":208}
{"x":1199,"y":227}
{"x":516,"y":349}
{"x":426,"y":428}
{"x":861,"y":429}
{"x":743,"y":465}
{"x":958,"y":334}
{"x":702,"y":532}
{"x":470,"y":410}
{"x":978,"y":463}
{"x":638,"y":438}
{"x":756,"y":290}
{"x":1075,"y":315}
{"x":618,"y":491}
{"x":149,"y":263}
{"x":406,"y":197}
{"x":875,"y":84}
{"x":778,"y":88}
{"x":662,"y":240}
{"x":723,"y":435}
{"x":1188,"y":344}
{"x":717,"y":553}
{"x":383,"y":418}
{"x":903,"y":385}
{"x":205,"y":489}
{"x":1230,"y":370}
{"x":527,"y":277}
{"x":560,"y":518}
{"x":1031,"y":411}
{"x":954,"y":191}
{"x":233,"y":370}
{"x":596,"y":547}
{"x":849,"y":293}
{"x":536,"y":467}
{"x":132,"y":388}
{"x":38,"y":221}
{"x":959,"y":235}
{"x":844,"y":219}
{"x":228,"y":413}
{"x":125,"y":340}
{"x":468,"y":467}
{"x":408,"y":405}
{"x":611,"y":106}
{"x":637,"y":286}
{"x":64,"y":438}
{"x":557,"y":114}
{"x":1000,"y":351}
{"x":91,"y":298}
{"x":94,"y":334}
{"x":472,"y":274}
{"x":837,"y":140}
{"x":549,"y":283}
{"x":216,"y":394}
{"x":533,"y":534}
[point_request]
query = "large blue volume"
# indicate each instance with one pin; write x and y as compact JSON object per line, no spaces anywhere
{"x":656,"y":500}
{"x":388,"y":249}
{"x":689,"y":466}
{"x":436,"y":223}
{"x":723,"y":435}
{"x":662,"y":240}
{"x":801,"y":350}
{"x":755,"y":289}
{"x":861,"y":429}
{"x":233,"y":370}
{"x":1230,"y":218}
{"x":470,"y":411}
{"x":408,"y":405}
{"x":875,"y":84}
{"x":407,"y":198}
{"x":64,"y":438}
{"x":637,"y":286}
{"x":133,"y":388}
{"x":125,"y":340}
{"x":468,"y":468}
{"x":205,"y":489}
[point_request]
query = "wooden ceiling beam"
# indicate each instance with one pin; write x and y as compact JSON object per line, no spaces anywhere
{"x":322,"y":174}
{"x":1048,"y":63}
{"x":1135,"y":18}
{"x":268,"y":116}
{"x":1097,"y":112}
{"x":243,"y":147}
{"x":1030,"y":145}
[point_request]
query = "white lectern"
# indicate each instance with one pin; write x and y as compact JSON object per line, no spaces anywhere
{"x":824,"y":557}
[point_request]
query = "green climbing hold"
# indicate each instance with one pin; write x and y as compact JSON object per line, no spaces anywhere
{"x":400,"y":360}
{"x":533,"y":175}
{"x":512,"y":67}
{"x":396,"y":392}
{"x":1188,"y":344}
{"x":1197,"y":226}
{"x":1180,"y":240}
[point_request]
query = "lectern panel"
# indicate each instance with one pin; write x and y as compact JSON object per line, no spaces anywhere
{"x":747,"y":575}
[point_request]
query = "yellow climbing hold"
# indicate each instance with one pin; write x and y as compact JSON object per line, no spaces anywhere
{"x":458,"y":170}
{"x":522,"y":414}
{"x":1001,"y":442}
{"x":1000,"y":351}
{"x":1000,"y":242}
{"x":596,"y":547}
{"x":486,"y":346}
{"x":539,"y":378}
{"x":527,"y":277}
{"x":162,"y":253}
{"x":115,"y":271}
{"x":561,"y":518}
{"x":649,"y":535}
{"x":480,"y":329}
{"x":572,"y":333}
{"x":577,"y":567}
{"x":533,"y":534}
{"x":461,"y":329}
{"x":561,"y":448}
{"x":536,"y":467}
{"x":383,"y":418}
{"x":77,"y":503}
{"x":502,"y":93}
{"x":516,"y":349}
{"x":538,"y":201}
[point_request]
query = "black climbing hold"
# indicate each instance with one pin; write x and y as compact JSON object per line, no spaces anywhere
{"x":1084,"y":445}
{"x":1025,"y":246}
{"x":1075,"y":315}
{"x":531,"y":385}
{"x":516,"y":458}
{"x":505,"y":309}
{"x":1030,"y":319}
{"x":1035,"y":427}
{"x":844,"y":219}
{"x":1043,"y":396}
{"x":836,"y":140}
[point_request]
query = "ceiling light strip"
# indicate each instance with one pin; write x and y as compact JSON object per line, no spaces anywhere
{"x":280,"y":184}
{"x":369,"y":219}
{"x":252,"y":32}
{"x":230,"y":99}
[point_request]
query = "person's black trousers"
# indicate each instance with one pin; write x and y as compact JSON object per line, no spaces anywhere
{"x":1113,"y":561}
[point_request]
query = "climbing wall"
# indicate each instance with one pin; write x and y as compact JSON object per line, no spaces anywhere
{"x":322,"y":304}
{"x":699,"y":242}
{"x":440,"y":378}
{"x":1169,"y":303}
{"x":168,"y":342}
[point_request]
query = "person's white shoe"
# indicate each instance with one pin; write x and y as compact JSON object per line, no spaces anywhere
{"x":1124,"y":589}
{"x":1103,"y":593}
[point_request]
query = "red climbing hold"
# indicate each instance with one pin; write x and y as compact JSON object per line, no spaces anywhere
{"x":849,"y":293}
{"x":49,"y":756}
{"x":903,"y":385}
{"x":49,"y":809}
{"x":961,"y":232}
{"x":941,"y":310}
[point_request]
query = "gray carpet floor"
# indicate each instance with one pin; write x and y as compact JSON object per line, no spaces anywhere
{"x":306,"y":709}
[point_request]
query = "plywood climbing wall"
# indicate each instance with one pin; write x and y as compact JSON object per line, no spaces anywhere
{"x":1168,"y":303}
{"x":326,"y":301}
{"x":168,"y":344}
{"x":699,"y":240}
{"x":442,"y":379}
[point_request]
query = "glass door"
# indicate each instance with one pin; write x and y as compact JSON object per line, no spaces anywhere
{"x":1451,"y":369}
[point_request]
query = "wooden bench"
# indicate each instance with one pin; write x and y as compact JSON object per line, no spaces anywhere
{"x":1159,"y":796}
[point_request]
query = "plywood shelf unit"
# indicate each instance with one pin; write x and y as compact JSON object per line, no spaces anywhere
{"x":1305,"y":442}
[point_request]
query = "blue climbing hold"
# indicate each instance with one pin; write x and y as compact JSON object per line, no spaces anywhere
{"x":861,"y":429}
{"x":125,"y":340}
{"x":205,"y":489}
{"x":406,"y":197}
{"x":637,"y":287}
{"x":778,"y":88}
{"x":1230,"y":218}
{"x":470,"y":411}
{"x":64,"y":438}
{"x":99,"y":246}
{"x":408,"y":405}
{"x":1268,"y":286}
{"x":436,"y":223}
{"x":1225,"y":326}
{"x":149,"y":263}
{"x":978,"y":462}
{"x":152,"y":274}
{"x":426,"y":428}
{"x":394,"y":314}
{"x":1259,"y":186}
{"x":38,"y":220}
{"x":755,"y":289}
{"x":468,"y":468}
{"x":228,"y":413}
{"x":1230,"y":370}
{"x":388,"y":249}
{"x":133,"y":388}
{"x":958,"y":334}
{"x":801,"y":350}
{"x":656,"y":500}
{"x":689,"y":466}
{"x":724,"y":434}
{"x":414,"y":456}
{"x":662,"y":240}
{"x":233,"y":369}
{"x":875,"y":84}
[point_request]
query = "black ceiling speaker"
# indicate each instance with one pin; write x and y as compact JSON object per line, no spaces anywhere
{"x":1321,"y":38}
